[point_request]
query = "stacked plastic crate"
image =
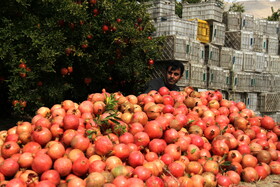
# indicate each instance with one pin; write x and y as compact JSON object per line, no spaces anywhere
{"x":231,"y":57}
{"x":160,"y":9}
{"x":180,"y":44}
{"x":269,"y":100}
{"x":230,"y":51}
{"x":211,"y":33}
{"x":245,"y":35}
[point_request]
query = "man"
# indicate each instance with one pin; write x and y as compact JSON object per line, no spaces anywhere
{"x":174,"y":72}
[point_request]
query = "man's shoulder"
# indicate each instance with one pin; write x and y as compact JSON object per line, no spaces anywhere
{"x":159,"y":79}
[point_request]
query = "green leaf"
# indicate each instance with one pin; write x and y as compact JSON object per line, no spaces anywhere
{"x":193,"y":151}
{"x":189,"y":122}
{"x":226,"y":163}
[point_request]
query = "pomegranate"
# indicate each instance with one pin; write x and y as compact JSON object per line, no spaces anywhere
{"x":136,"y":158}
{"x":56,"y":150}
{"x":80,"y":166}
{"x":176,"y":169}
{"x":51,"y":175}
{"x":153,"y":129}
{"x":103,"y":145}
{"x":15,"y":182}
{"x":63,"y":165}
{"x":275,"y":167}
{"x":9,"y":148}
{"x":9,"y":167}
{"x":80,"y":141}
{"x":224,"y":181}
{"x":249,"y":174}
{"x":267,"y":122}
{"x":70,"y":121}
{"x":121,"y":150}
{"x":157,"y":145}
{"x":25,"y":160}
{"x":96,"y":166}
{"x":41,"y":163}
{"x":141,"y":139}
{"x":42,"y":135}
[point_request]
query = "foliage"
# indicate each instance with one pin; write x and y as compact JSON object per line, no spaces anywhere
{"x":179,"y":6}
{"x":237,"y":7}
{"x":178,"y":9}
{"x":66,"y":49}
{"x":191,"y":1}
{"x":275,"y":16}
{"x":221,"y":4}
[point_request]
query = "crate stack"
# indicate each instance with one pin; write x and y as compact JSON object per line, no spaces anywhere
{"x":210,"y":33}
{"x":233,"y":52}
{"x":259,"y":43}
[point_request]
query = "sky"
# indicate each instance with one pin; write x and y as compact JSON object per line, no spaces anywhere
{"x":257,"y":8}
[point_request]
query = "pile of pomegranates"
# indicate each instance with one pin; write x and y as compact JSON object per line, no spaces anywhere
{"x":162,"y":138}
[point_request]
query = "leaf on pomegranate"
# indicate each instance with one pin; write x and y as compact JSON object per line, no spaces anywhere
{"x":224,"y":157}
{"x":224,"y":129}
{"x":90,"y":133}
{"x":189,"y":122}
{"x":193,"y":151}
{"x":115,"y":121}
{"x":226,"y":163}
{"x":110,"y":102}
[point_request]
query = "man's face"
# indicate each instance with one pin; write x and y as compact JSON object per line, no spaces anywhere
{"x":173,"y":76}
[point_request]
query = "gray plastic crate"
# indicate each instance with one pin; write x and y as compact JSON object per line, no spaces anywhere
{"x":252,"y":101}
{"x":257,"y":82}
{"x":277,"y":119}
{"x":272,"y":45}
{"x":261,"y":61}
{"x":237,"y":60}
{"x":192,"y":27}
{"x":160,"y":8}
{"x":183,"y":82}
{"x":273,"y":64}
{"x":242,"y":82}
{"x":226,"y":58}
{"x":260,"y":25}
{"x":273,"y":28}
{"x":247,"y":22}
{"x":232,"y":20}
{"x":226,"y":84}
{"x":236,"y":96}
{"x":240,"y":40}
{"x":217,"y":33}
{"x":269,"y":102}
{"x":171,"y":26}
{"x":174,"y":48}
{"x":276,"y":83}
{"x":262,"y":82}
{"x":204,"y":11}
{"x":257,"y":113}
{"x":196,"y":75}
{"x":212,"y":55}
{"x":267,"y":82}
{"x":215,"y":77}
{"x":249,"y":61}
{"x":260,"y":42}
{"x":174,"y":25}
{"x":195,"y":51}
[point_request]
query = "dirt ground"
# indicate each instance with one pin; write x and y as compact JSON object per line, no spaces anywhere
{"x":270,"y":181}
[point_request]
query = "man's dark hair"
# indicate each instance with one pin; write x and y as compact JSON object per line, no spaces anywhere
{"x":175,"y":64}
